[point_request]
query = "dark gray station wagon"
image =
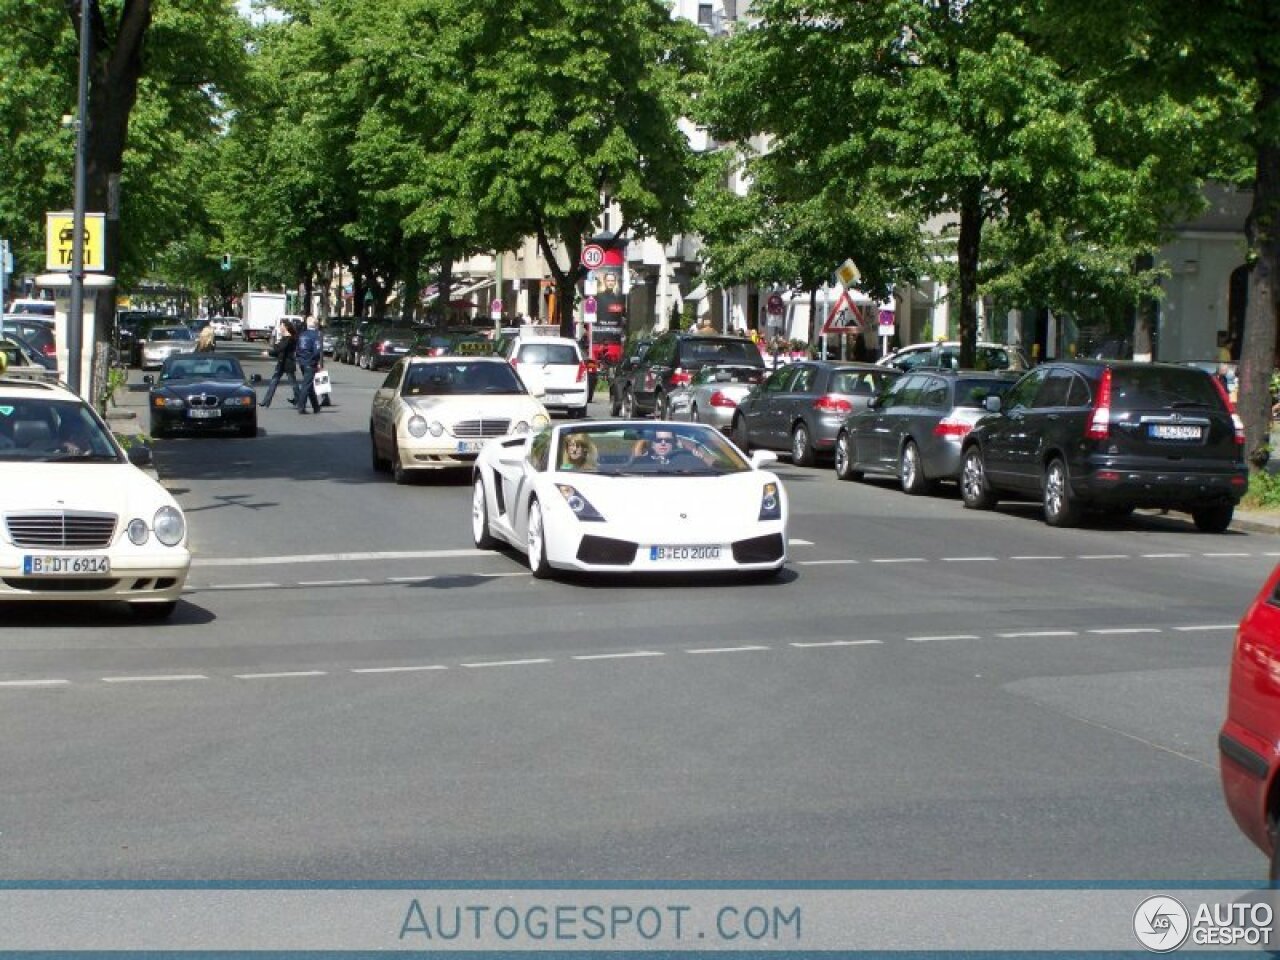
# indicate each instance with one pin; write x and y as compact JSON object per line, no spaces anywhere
{"x":1110,"y":436}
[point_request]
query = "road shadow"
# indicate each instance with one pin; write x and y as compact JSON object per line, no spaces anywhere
{"x":104,"y":614}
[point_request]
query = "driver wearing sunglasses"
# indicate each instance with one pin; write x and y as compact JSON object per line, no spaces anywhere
{"x":661,"y":447}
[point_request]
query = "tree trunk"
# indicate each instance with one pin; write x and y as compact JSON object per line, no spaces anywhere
{"x":967,"y":261}
{"x":113,"y":90}
{"x":444,"y":291}
{"x":1263,"y":232}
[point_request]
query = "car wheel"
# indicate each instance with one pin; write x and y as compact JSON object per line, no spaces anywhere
{"x":662,"y":407}
{"x":153,"y":612}
{"x":379,"y":465}
{"x":157,"y":431}
{"x":1213,"y":519}
{"x":398,"y":472}
{"x":740,"y":434}
{"x":801,"y":450}
{"x":693,"y":414}
{"x":844,"y":458}
{"x":1060,"y":508}
{"x":578,"y":413}
{"x":480,"y":534}
{"x":628,"y":405}
{"x":249,"y":429}
{"x":615,"y":405}
{"x":325,"y":400}
{"x":537,"y":543}
{"x":973,"y":482}
{"x":910,"y":471}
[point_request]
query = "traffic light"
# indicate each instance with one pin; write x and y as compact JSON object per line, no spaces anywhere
{"x":226,"y":261}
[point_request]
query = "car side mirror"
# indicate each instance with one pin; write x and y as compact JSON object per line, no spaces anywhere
{"x":992,"y":404}
{"x":139,"y":455}
{"x":873,"y":403}
{"x":256,"y":378}
{"x":762,"y":458}
{"x":147,"y":378}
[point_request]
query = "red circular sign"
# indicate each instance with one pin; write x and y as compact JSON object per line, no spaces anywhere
{"x":592,"y":255}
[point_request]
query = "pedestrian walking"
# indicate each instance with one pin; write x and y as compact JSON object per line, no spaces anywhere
{"x":310,"y":357}
{"x":285,"y":351}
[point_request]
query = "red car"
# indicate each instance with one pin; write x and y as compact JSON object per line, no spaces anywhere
{"x":1249,"y":743}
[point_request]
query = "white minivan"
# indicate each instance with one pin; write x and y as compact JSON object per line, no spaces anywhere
{"x":554,"y":366}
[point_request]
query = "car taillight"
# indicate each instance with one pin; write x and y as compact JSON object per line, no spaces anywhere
{"x":1236,"y":422}
{"x":719,"y":399}
{"x":49,"y":350}
{"x":833,"y":403}
{"x":582,"y":372}
{"x":650,"y":382}
{"x":1099,"y":425}
{"x":680,"y":377}
{"x":950,"y":427}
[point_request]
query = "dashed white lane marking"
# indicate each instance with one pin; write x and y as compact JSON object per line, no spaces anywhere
{"x":153,"y":678}
{"x":433,"y":666}
{"x":835,"y":643}
{"x":963,"y":559}
{"x":950,"y":636}
{"x":1164,"y":556}
{"x":334,"y":583}
{"x":1226,"y":554}
{"x":1119,"y":630}
{"x":336,"y":557}
{"x":750,"y":648}
{"x":282,"y":675}
{"x":1037,"y":633}
{"x":824,"y":563}
{"x":33,"y":683}
{"x":797,"y":542}
{"x":1103,"y":556}
{"x":409,"y":579}
{"x":243,"y":586}
{"x":1207,"y":626}
{"x":619,"y":656}
{"x":1040,"y":557}
{"x":510,"y":663}
{"x":900,"y":560}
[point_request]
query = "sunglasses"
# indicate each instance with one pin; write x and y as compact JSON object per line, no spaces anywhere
{"x":664,"y":439}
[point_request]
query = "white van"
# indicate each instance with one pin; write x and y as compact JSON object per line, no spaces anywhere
{"x":555,"y":365}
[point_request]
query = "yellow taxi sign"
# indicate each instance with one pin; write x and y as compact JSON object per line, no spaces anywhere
{"x":60,"y":235}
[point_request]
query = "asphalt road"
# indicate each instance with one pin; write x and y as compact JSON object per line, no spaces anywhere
{"x":349,"y":691}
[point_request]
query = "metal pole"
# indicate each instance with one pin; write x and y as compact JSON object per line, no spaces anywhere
{"x":75,"y":322}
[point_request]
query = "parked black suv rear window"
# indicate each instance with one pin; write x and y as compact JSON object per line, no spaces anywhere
{"x":1139,"y":388}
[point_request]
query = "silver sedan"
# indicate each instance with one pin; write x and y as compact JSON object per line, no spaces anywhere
{"x":713,"y":394}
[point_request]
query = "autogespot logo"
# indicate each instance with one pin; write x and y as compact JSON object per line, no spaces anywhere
{"x":1161,"y":924}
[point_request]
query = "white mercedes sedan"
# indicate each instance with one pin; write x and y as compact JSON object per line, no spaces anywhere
{"x":433,"y":413}
{"x":630,"y":496}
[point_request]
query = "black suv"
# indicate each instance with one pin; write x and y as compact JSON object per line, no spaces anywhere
{"x":1112,"y":436}
{"x":671,"y":361}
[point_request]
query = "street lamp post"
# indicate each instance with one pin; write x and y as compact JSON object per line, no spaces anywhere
{"x":75,"y":322}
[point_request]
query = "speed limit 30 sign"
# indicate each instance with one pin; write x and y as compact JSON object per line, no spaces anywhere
{"x":592,"y":255}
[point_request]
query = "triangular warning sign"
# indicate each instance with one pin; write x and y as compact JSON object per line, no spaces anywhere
{"x":845,"y":317}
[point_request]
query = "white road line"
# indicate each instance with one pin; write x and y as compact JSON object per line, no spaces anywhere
{"x":409,"y":579}
{"x":797,"y":542}
{"x":331,"y":557}
{"x":1272,"y":553}
{"x":950,"y":636}
{"x":618,"y":656}
{"x":1226,"y":554}
{"x":282,"y":675}
{"x":156,"y":677}
{"x":963,"y":559}
{"x":332,"y":583}
{"x":1164,"y":556}
{"x":835,"y":643}
{"x":1103,"y":556}
{"x":746,"y":649}
{"x":823,"y":563}
{"x":494,"y":576}
{"x":1038,"y":633}
{"x":397,"y":669}
{"x":1206,"y":626}
{"x":243,"y":586}
{"x":900,"y":560}
{"x":510,"y":663}
{"x":33,"y":683}
{"x":1039,"y":557}
{"x":1119,"y":630}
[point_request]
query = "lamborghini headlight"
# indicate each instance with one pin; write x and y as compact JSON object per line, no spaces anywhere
{"x":580,"y":505}
{"x":771,"y":503}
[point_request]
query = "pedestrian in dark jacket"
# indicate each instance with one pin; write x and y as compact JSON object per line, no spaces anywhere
{"x":310,"y":359}
{"x":285,"y":350}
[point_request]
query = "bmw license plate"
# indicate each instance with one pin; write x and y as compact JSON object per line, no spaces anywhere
{"x":677,"y":554}
{"x":208,"y":414}
{"x":470,"y":446}
{"x":53,"y":566}
{"x":1175,"y":431}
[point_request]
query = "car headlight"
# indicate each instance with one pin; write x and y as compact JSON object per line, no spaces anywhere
{"x":417,"y":427}
{"x":580,"y":505}
{"x":520,"y":427}
{"x":541,"y":420}
{"x":770,"y":503}
{"x":436,"y":428}
{"x":238,"y":402}
{"x":162,"y":401}
{"x":169,"y":526}
{"x":138,"y":531}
